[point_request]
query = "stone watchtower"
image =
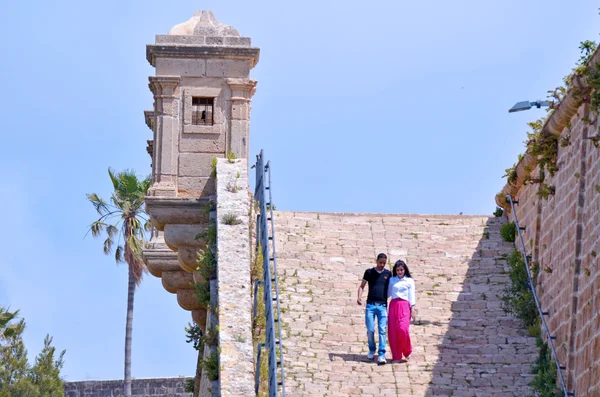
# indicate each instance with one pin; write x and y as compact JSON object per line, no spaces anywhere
{"x":202,"y":93}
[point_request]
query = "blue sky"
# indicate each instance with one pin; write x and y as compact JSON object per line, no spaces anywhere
{"x":392,"y":107}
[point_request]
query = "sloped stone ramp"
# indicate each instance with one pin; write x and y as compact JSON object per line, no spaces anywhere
{"x":464,"y":343}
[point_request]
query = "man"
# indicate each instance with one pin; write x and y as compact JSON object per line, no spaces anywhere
{"x":378,"y":278}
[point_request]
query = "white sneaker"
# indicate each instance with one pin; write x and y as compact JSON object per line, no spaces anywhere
{"x":408,"y":357}
{"x":381,"y":360}
{"x":371,"y":355}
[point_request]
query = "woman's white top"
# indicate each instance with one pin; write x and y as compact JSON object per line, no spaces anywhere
{"x":403,"y":288}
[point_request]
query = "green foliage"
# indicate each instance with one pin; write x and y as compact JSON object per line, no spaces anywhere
{"x":231,"y":219}
{"x":544,"y":369}
{"x":511,"y":174}
{"x":7,"y":329}
{"x":508,"y":232}
{"x":211,"y":366}
{"x":486,"y":235}
{"x":498,"y":212}
{"x":17,"y":377}
{"x":193,"y":333}
{"x":213,"y":167}
{"x":546,"y":190}
{"x":189,"y":385}
{"x":597,"y":188}
{"x":231,"y":157}
{"x":211,"y":338}
{"x":259,"y":323}
{"x":207,"y":264}
{"x":203,"y":293}
{"x":123,"y":217}
{"x":518,"y":297}
{"x":544,"y":146}
{"x":209,"y":234}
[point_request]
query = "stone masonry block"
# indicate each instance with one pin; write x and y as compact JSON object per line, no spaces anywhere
{"x":181,"y":67}
{"x":227,"y":68}
{"x":195,"y":186}
{"x":206,"y":143}
{"x":195,"y":164}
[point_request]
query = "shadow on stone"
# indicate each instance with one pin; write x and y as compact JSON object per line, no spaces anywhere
{"x":360,"y":358}
{"x":484,"y":350}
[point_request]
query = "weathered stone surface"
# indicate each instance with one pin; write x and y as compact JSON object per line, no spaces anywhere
{"x":155,"y":387}
{"x":185,"y":211}
{"x":233,"y":276}
{"x":464,"y":342}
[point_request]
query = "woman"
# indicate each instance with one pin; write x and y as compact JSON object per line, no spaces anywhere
{"x":401,"y":289}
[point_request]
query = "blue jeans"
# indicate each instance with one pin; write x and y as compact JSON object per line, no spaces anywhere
{"x":379,"y":311}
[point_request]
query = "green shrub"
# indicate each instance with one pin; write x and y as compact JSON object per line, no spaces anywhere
{"x":231,"y":219}
{"x":499,"y":212}
{"x":508,"y":232}
{"x":544,"y":369}
{"x":211,"y":366}
{"x":203,"y":293}
{"x":518,"y":297}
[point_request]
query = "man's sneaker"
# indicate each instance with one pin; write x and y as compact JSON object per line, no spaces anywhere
{"x":371,"y":355}
{"x":381,"y":360}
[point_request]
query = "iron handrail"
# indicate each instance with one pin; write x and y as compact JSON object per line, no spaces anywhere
{"x":263,"y":238}
{"x":276,"y":279}
{"x":541,"y":313}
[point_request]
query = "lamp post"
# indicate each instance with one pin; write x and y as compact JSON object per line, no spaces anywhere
{"x":526,"y":105}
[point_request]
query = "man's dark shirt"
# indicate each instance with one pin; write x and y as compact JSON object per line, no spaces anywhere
{"x":378,"y":285}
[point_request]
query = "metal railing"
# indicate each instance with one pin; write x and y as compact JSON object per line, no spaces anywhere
{"x":266,"y":241}
{"x":542,"y":314}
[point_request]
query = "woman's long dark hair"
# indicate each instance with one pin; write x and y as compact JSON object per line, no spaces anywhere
{"x":397,"y":265}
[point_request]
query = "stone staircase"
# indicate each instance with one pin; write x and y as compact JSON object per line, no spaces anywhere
{"x":464,"y":343}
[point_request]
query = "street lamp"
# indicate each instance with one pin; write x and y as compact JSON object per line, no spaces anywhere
{"x":526,"y":105}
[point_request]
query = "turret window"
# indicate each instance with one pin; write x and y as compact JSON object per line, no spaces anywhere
{"x":202,"y":111}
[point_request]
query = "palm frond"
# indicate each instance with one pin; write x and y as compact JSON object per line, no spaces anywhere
{"x":111,"y":231}
{"x":148,"y":225}
{"x":97,"y":228}
{"x":119,"y":254}
{"x":108,"y":245}
{"x":98,"y":203}
{"x":135,"y":245}
{"x":113,"y":178}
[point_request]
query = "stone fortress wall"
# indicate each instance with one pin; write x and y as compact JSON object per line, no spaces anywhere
{"x":563,"y":236}
{"x":151,"y":387}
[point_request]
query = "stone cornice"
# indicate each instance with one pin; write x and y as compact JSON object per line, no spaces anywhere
{"x":154,"y":51}
{"x":164,"y":86}
{"x":149,"y":118}
{"x":554,"y":125}
{"x":172,"y":210}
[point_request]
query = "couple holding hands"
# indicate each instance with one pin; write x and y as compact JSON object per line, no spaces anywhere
{"x":383,"y":284}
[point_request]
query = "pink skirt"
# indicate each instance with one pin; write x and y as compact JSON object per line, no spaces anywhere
{"x":398,"y":328}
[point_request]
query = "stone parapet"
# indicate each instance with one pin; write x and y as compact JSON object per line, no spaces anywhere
{"x":151,"y":387}
{"x":233,"y":275}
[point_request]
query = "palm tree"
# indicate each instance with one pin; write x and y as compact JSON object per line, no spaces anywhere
{"x":123,"y":220}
